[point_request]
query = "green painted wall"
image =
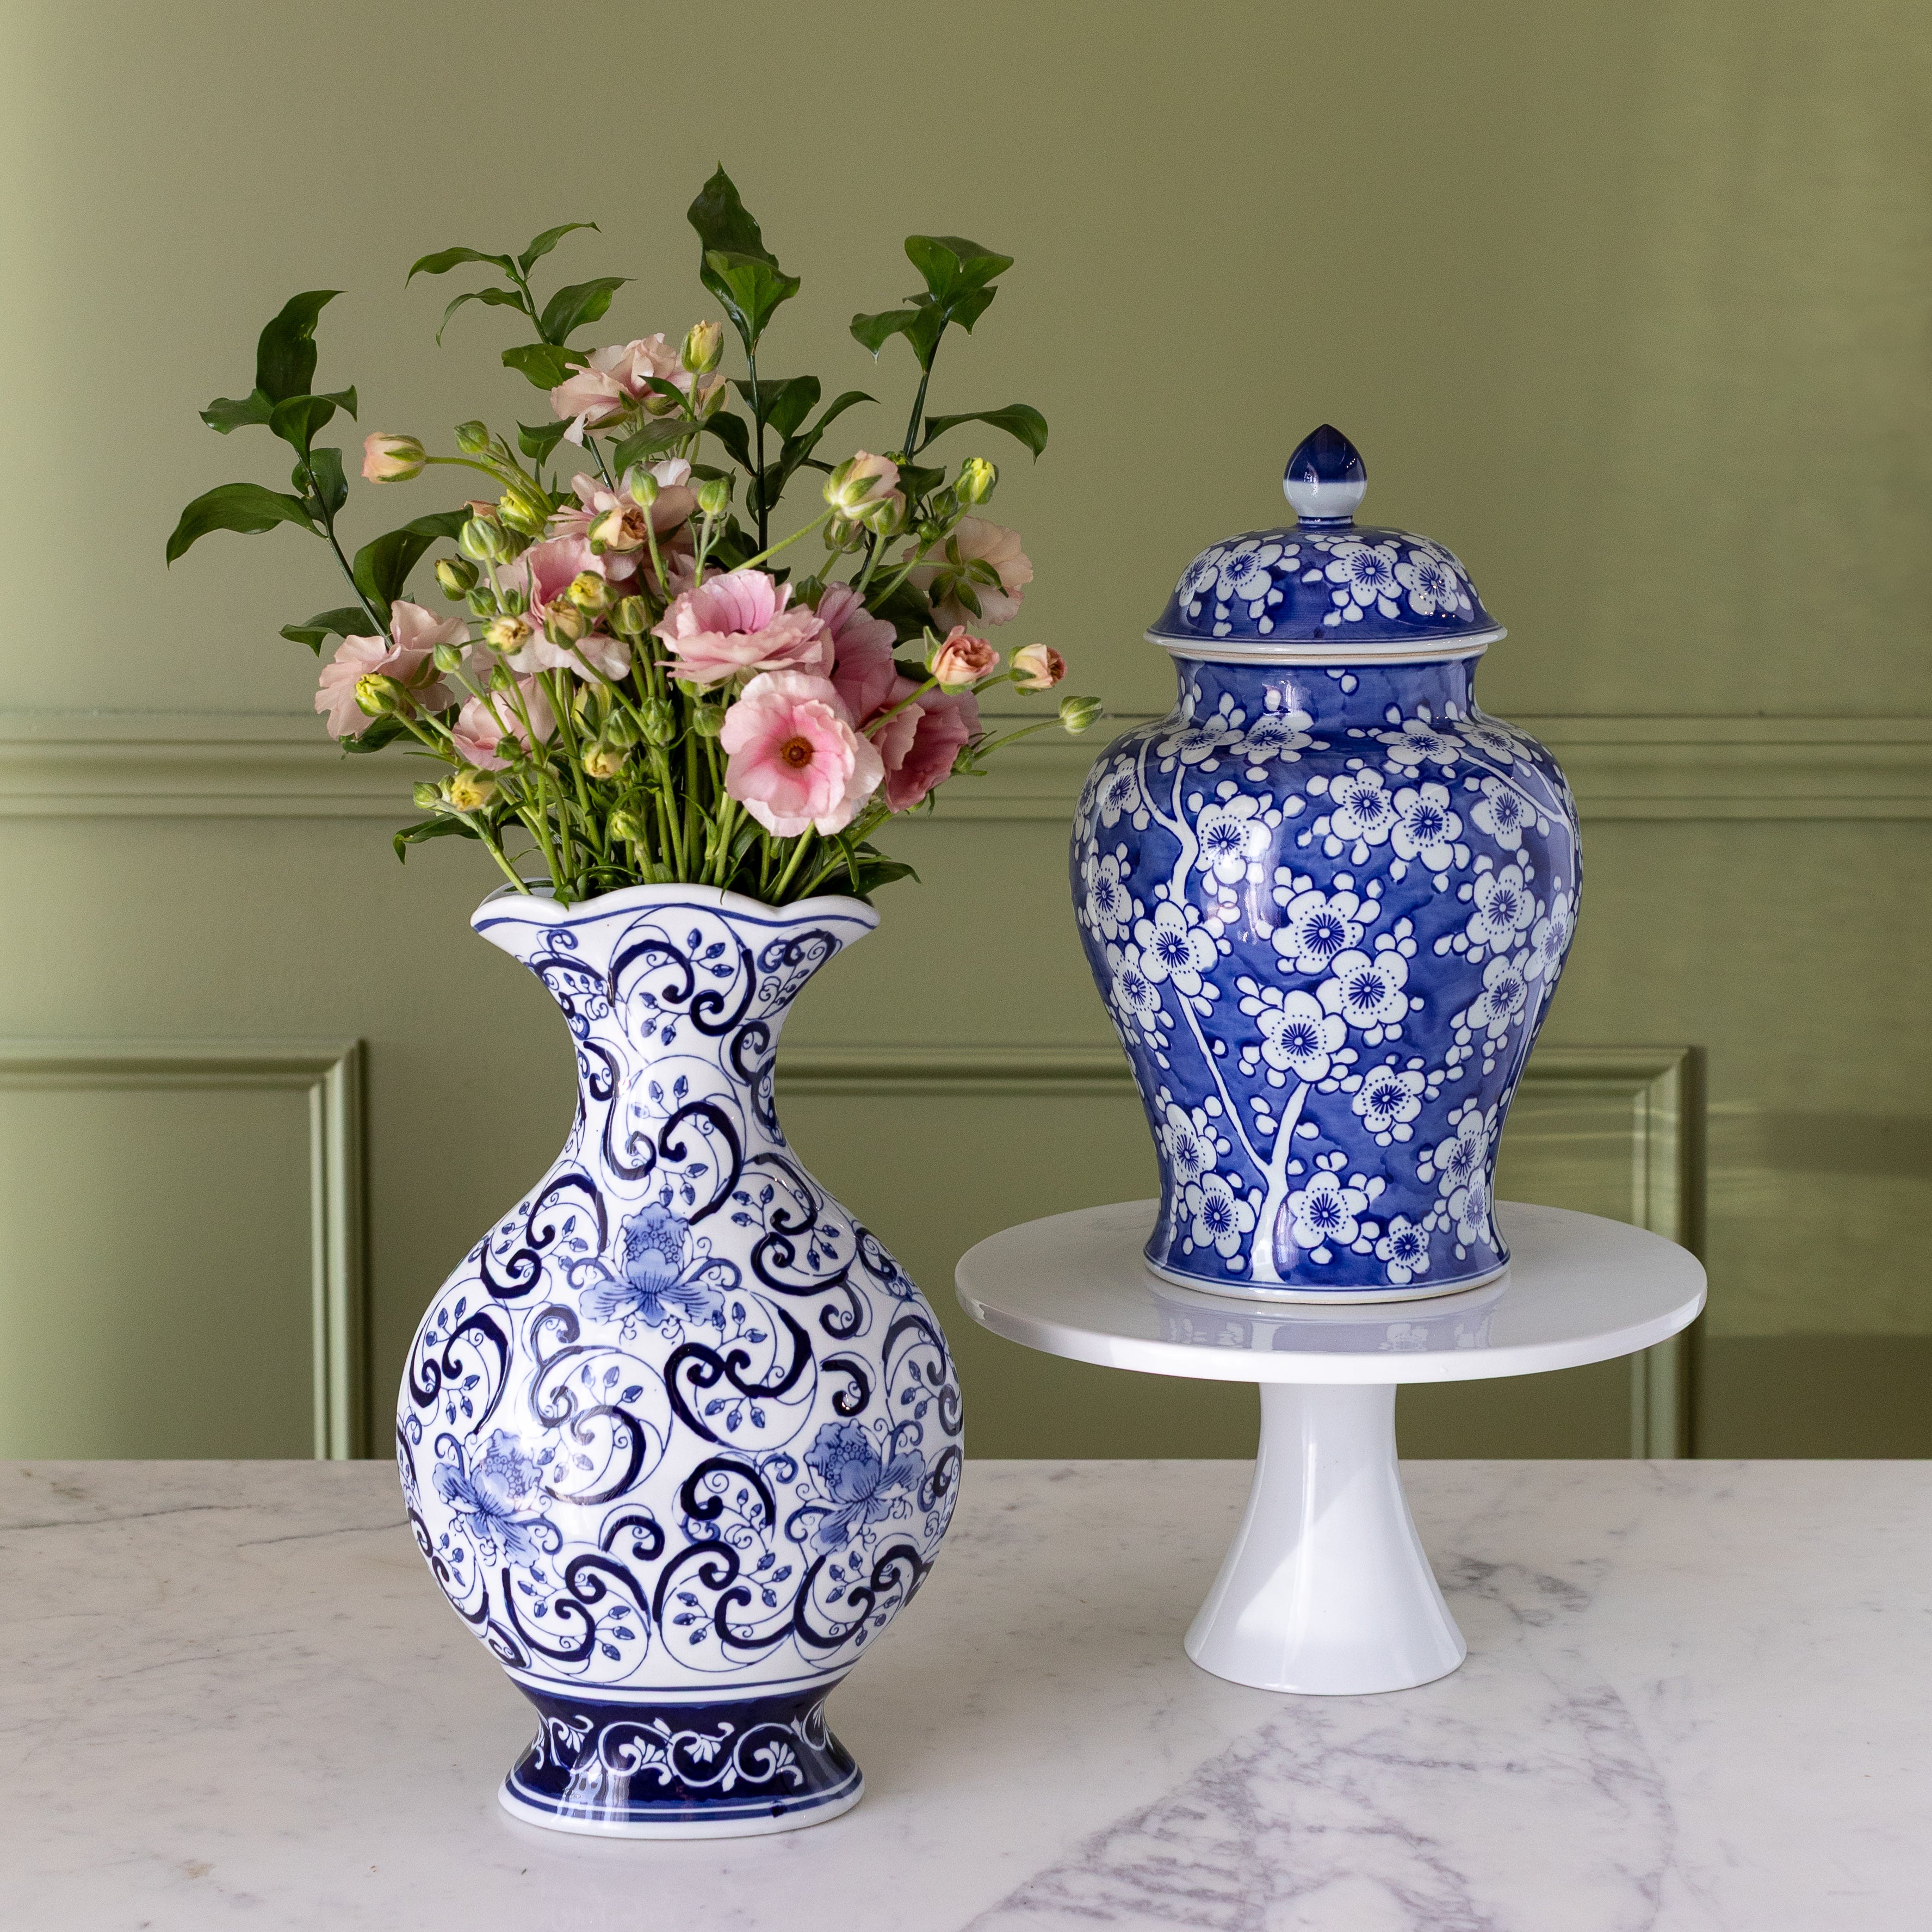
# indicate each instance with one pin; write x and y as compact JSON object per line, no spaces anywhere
{"x":1628,"y":302}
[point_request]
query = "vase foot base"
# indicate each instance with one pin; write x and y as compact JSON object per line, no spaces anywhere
{"x":731,"y":1768}
{"x":1313,"y":1297}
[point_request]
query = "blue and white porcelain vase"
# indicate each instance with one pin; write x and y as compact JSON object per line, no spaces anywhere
{"x":1326,"y":901}
{"x":679,"y":1437}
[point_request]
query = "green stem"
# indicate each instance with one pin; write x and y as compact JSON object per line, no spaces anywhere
{"x":778,"y":891}
{"x":817,"y":524}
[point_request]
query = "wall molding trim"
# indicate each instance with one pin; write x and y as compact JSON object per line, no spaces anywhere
{"x":330,"y":1072}
{"x":1661,"y":1087}
{"x":280,"y":765}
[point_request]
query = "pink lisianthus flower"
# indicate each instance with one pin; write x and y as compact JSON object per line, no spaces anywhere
{"x":977,"y":540}
{"x":794,"y":760}
{"x":943,"y":722}
{"x":613,"y":382}
{"x":404,"y":655}
{"x":740,"y":623}
{"x":483,"y":724}
{"x":616,"y":525}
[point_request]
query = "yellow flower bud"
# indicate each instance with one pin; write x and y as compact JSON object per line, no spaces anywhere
{"x":377,"y":696}
{"x":564,"y":623}
{"x":703,"y":347}
{"x":524,"y":508}
{"x":588,"y":592}
{"x":629,"y":617}
{"x":629,"y":827}
{"x":457,"y":576}
{"x":604,"y":761}
{"x":471,"y":791}
{"x":976,"y":479}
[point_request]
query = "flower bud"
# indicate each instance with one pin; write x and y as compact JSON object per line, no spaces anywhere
{"x":860,"y":482}
{"x":588,"y":592}
{"x":482,"y":538}
{"x":660,"y":721}
{"x":427,"y":795}
{"x":377,"y":696}
{"x":709,"y":719}
{"x":840,"y":536}
{"x":643,"y":487}
{"x":714,"y":494}
{"x":457,"y":576}
{"x":1040,"y":667}
{"x":482,"y":602}
{"x":391,"y":459}
{"x":471,"y":791}
{"x":619,"y":728}
{"x":1077,"y":714}
{"x":523,"y":508}
{"x":564,"y":623}
{"x":976,"y":478}
{"x":962,"y":660}
{"x":604,"y":761}
{"x":703,"y":347}
{"x":473,"y":438}
{"x":630,"y":617}
{"x":629,"y":826}
{"x":882,"y":519}
{"x":506,"y":634}
{"x":447,"y":658}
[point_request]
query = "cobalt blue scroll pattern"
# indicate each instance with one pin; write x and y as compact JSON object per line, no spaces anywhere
{"x":1326,"y":906}
{"x":679,"y":1430}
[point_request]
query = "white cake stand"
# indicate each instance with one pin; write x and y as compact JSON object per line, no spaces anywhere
{"x":1326,"y":1589}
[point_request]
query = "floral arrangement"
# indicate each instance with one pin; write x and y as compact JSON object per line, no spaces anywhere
{"x":635,"y":689}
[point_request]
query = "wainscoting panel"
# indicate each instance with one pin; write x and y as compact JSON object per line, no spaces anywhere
{"x":944,"y":1145}
{"x":182,"y":1248}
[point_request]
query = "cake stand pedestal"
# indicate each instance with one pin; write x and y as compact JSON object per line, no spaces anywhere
{"x":1326,"y":1589}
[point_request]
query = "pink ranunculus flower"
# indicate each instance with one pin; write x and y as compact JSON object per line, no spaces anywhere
{"x":613,"y":382}
{"x":943,"y":722}
{"x":740,"y":623}
{"x":404,"y":655}
{"x":483,"y":724}
{"x":617,"y":524}
{"x":980,"y":541}
{"x":964,"y":659}
{"x":1040,"y":667}
{"x":794,"y":760}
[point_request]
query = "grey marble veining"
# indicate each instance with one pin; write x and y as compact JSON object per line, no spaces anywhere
{"x":1697,"y":1696}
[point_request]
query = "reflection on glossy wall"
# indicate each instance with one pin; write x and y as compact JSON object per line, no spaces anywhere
{"x":1626,"y":302}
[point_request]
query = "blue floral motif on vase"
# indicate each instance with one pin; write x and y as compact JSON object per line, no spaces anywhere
{"x":1327,"y":900}
{"x":678,"y":1438}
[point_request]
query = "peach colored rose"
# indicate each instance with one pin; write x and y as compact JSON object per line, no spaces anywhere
{"x":740,"y":623}
{"x":977,"y":540}
{"x":794,"y":760}
{"x":1040,"y":667}
{"x":404,"y":655}
{"x":963,"y":659}
{"x":482,"y":724}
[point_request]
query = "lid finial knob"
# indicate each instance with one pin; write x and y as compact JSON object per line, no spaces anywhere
{"x":1325,"y":477}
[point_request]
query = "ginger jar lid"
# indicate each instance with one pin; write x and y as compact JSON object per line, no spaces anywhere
{"x":1328,"y":589}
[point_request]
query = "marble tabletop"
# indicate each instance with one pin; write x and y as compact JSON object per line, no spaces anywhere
{"x":1696,"y":1697}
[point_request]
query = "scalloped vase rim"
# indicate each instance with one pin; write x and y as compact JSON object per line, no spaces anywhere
{"x":538,"y":906}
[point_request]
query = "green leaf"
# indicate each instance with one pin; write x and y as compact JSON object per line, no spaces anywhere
{"x":350,"y":621}
{"x":722,"y":222}
{"x":966,"y":309}
{"x":489,"y":298}
{"x":227,"y":414}
{"x":872,"y":331}
{"x":731,"y":432}
{"x":285,"y":355}
{"x":570,"y":308}
{"x":325,"y":465}
{"x":953,"y":266}
{"x":750,"y":287}
{"x":537,"y":440}
{"x":784,"y":401}
{"x":382,"y":568}
{"x":1025,"y":424}
{"x":546,"y":241}
{"x":447,"y":259}
{"x":917,"y":480}
{"x":654,"y":436}
{"x":245,"y":507}
{"x":431,"y":828}
{"x":296,"y":419}
{"x":380,"y":731}
{"x":545,"y":363}
{"x":343,"y":399}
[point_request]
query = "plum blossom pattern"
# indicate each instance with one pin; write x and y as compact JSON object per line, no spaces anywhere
{"x":1328,"y":906}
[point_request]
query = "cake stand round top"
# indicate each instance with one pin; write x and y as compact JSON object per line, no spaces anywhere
{"x":1579,"y":1288}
